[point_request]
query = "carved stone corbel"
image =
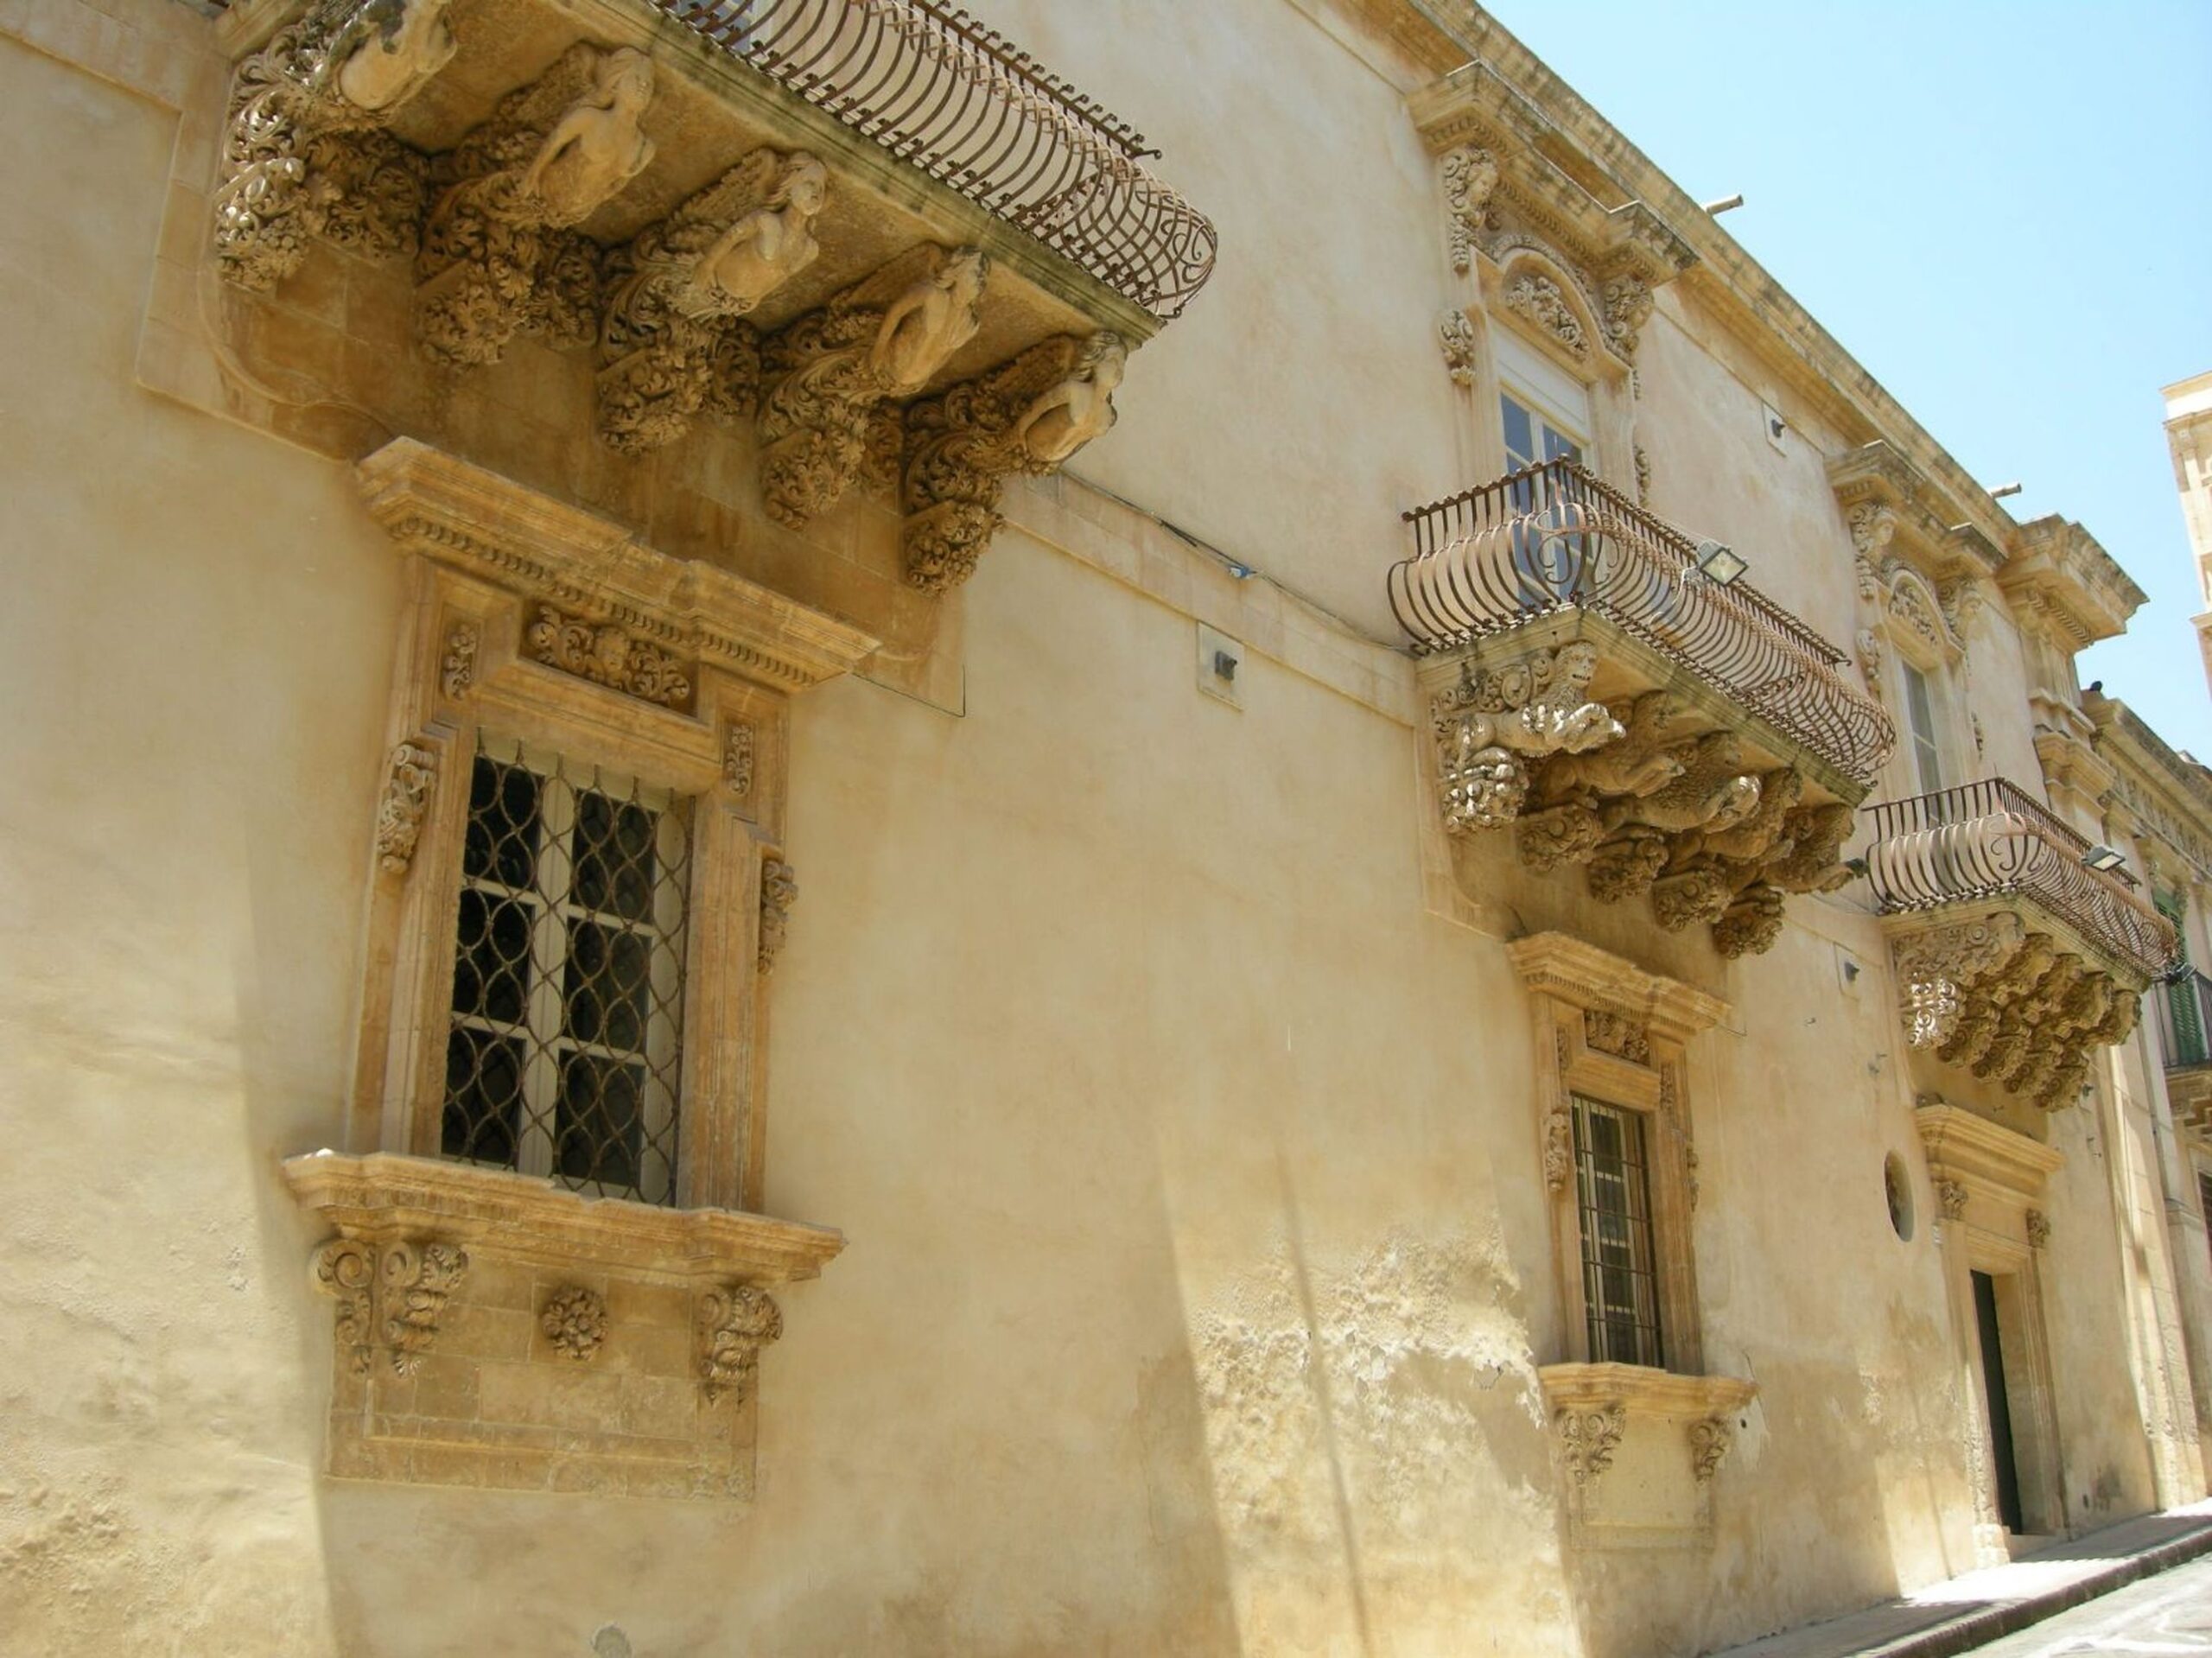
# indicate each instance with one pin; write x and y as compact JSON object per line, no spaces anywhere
{"x":1710,"y":1442}
{"x":735,"y":1324}
{"x":499,"y":257}
{"x":1933,"y":966}
{"x":671,"y":342}
{"x":1627,"y":302}
{"x":1457,"y":335}
{"x":413,"y":768}
{"x":1027,"y":416}
{"x":823,"y":375}
{"x":305,"y":151}
{"x":779,"y":892}
{"x":1951,"y":1196}
{"x":1491,"y":723}
{"x":414,"y":1285}
{"x":1469,"y":178}
{"x":1588,"y":1439}
{"x":346,"y":1268}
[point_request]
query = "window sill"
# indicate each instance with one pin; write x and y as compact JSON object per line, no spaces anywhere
{"x":497,"y":1329}
{"x":1640,"y":1449}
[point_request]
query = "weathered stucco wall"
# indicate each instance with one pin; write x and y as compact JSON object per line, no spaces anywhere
{"x":1199,"y":1258}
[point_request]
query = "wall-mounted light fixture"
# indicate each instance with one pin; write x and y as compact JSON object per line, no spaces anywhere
{"x":1719,"y":563}
{"x":2103,"y":858}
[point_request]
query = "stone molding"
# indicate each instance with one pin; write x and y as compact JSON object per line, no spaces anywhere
{"x":2060,"y":577}
{"x":1631,"y":789}
{"x":1981,"y":1159}
{"x":2023,"y":1006}
{"x":1641,"y":1449}
{"x":1599,"y":983}
{"x":494,"y":529}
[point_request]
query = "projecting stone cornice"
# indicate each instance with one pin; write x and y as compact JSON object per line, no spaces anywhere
{"x":1982,"y":1157}
{"x":1558,"y":964}
{"x":2058,"y":572}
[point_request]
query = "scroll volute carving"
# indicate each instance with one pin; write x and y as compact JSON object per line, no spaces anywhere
{"x":1628,"y":790}
{"x":500,"y":255}
{"x":825,"y":375}
{"x":305,"y":154}
{"x":1027,"y":416}
{"x":673,"y":341}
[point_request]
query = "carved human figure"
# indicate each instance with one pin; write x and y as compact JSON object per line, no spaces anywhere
{"x":390,"y":51}
{"x":932,"y":318}
{"x":597,"y":146}
{"x":765,"y":248}
{"x":1069,"y":415}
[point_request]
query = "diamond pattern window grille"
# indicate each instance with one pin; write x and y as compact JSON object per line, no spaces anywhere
{"x":565,"y":1047}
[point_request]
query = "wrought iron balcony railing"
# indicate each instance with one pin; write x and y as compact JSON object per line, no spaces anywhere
{"x":1552,"y":538}
{"x":1992,"y":839}
{"x":938,"y":90}
{"x":2184,"y":1008}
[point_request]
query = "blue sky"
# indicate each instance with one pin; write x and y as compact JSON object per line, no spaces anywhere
{"x":2003,"y":211}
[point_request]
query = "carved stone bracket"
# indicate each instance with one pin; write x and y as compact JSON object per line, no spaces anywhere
{"x":779,"y":892}
{"x":305,"y":151}
{"x":824,"y":376}
{"x":412,"y":769}
{"x":390,"y":1296}
{"x":1027,"y":416}
{"x":1951,"y":1196}
{"x":2013,"y":1004}
{"x":1469,"y":176}
{"x":672,"y":341}
{"x":2038,"y":1230}
{"x":499,"y":255}
{"x":1588,"y":1439}
{"x":735,"y":1323}
{"x":1711,"y":1441}
{"x":1457,"y":335}
{"x":1625,"y":790}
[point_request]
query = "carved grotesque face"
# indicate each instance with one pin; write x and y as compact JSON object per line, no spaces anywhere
{"x":809,"y":187}
{"x":628,"y":80}
{"x":1111,"y":362}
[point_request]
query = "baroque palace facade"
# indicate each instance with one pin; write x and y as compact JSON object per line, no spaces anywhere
{"x":752,"y":913}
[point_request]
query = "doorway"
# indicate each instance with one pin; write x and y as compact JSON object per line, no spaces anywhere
{"x":2002,"y":1459}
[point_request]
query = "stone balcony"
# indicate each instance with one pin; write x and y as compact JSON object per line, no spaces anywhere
{"x":2016,"y":959}
{"x":786,"y":254}
{"x":1618,"y":707}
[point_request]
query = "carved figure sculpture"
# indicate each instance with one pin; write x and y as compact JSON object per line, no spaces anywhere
{"x":1469,"y":178}
{"x":824,"y":375}
{"x":671,"y":343}
{"x":304,"y":153}
{"x":1488,"y":722}
{"x":1027,"y":416}
{"x":499,"y":255}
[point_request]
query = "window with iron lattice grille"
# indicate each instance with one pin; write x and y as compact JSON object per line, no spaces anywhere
{"x":563,"y":1054}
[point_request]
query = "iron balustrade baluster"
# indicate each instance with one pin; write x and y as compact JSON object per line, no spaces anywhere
{"x":1551,"y":536}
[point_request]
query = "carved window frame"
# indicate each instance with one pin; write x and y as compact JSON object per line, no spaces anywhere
{"x":1612,"y":1032}
{"x":467,"y":667}
{"x":1604,"y":378}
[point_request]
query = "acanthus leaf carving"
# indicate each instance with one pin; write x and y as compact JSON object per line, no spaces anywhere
{"x":1457,"y":336}
{"x":1469,"y":178}
{"x":606,"y":654}
{"x":1616,"y":1034}
{"x":304,"y":152}
{"x":1027,"y":416}
{"x":499,"y":255}
{"x":346,"y":1268}
{"x":672,"y":341}
{"x":884,"y":338}
{"x":457,"y":671}
{"x":1588,"y":1439}
{"x":779,"y":892}
{"x":1628,"y":305}
{"x":735,"y":1324}
{"x":738,"y":745}
{"x":408,"y":778}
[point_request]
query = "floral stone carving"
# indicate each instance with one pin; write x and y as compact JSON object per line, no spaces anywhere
{"x":1027,"y":416}
{"x":1469,"y":179}
{"x":390,"y":1297}
{"x":1628,"y":303}
{"x":779,"y":892}
{"x":457,"y":672}
{"x":2012,"y":1004}
{"x":1544,"y":303}
{"x":1710,"y":1441}
{"x":498,"y":256}
{"x":1457,"y":335}
{"x":1616,"y":1034}
{"x":346,"y":1268}
{"x":574,"y":1321}
{"x":1952,"y":1196}
{"x":1588,"y":1439}
{"x":607,"y":656}
{"x":1490,"y":722}
{"x":738,"y":744}
{"x":671,"y":342}
{"x":735,"y":1324}
{"x":304,"y":150}
{"x":413,"y":768}
{"x":884,"y":338}
{"x":2038,"y":1228}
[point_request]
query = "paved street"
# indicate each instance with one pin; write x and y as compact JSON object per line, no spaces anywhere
{"x":2169,"y":1613}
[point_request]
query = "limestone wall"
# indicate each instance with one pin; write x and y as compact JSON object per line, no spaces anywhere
{"x":1177,"y":1109}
